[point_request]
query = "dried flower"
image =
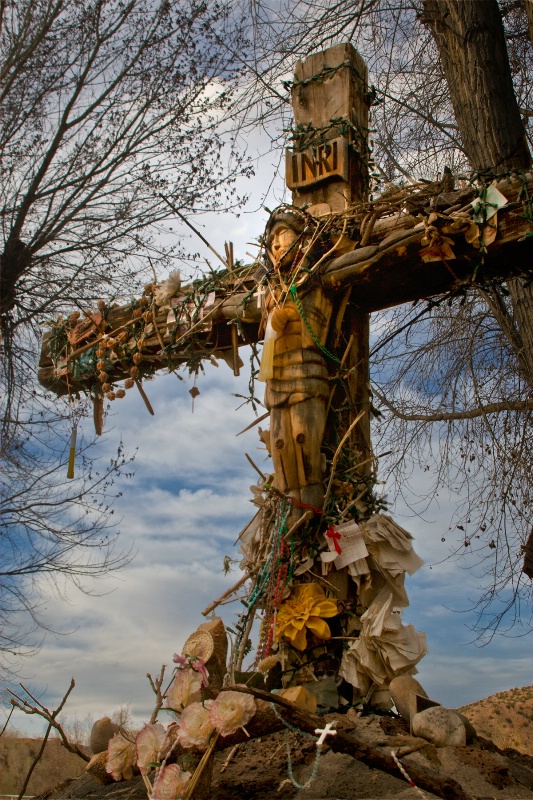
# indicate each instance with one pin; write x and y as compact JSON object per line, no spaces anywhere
{"x":121,"y":757}
{"x":231,"y":711}
{"x":111,"y":395}
{"x":196,"y":663}
{"x":134,"y":371}
{"x":304,"y":608}
{"x":120,"y":393}
{"x":184,"y":689}
{"x":148,"y":744}
{"x":129,"y":383}
{"x":268,"y":663}
{"x":169,"y":288}
{"x":196,"y":726}
{"x":137,"y":358}
{"x":170,"y":783}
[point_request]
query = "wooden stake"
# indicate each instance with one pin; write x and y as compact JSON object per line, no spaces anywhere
{"x":235,"y":348}
{"x":226,"y":594}
{"x":337,"y":453}
{"x":72,"y":452}
{"x":191,"y":786}
{"x":232,"y":752}
{"x":197,"y":232}
{"x":255,"y":467}
{"x":144,"y":397}
{"x":254,"y":423}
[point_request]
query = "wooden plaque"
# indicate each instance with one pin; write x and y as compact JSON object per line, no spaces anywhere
{"x":309,"y":167}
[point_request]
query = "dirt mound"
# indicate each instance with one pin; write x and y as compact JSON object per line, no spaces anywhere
{"x":259,"y":770}
{"x":506,"y":718}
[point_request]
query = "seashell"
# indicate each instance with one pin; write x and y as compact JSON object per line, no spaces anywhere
{"x":199,"y":644}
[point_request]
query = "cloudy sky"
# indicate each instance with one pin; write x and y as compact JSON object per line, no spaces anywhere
{"x":183,"y":510}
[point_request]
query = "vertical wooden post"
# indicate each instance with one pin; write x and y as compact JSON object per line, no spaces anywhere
{"x":327,"y":164}
{"x":329,"y":99}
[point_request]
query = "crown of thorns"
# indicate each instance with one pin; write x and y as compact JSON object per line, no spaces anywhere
{"x":296,"y":220}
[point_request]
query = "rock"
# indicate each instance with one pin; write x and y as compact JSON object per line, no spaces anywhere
{"x":96,"y":767}
{"x":325,"y":691}
{"x":102,"y":731}
{"x":471,"y":732}
{"x":300,"y":697}
{"x":401,"y":690}
{"x":441,"y":726}
{"x":381,"y":700}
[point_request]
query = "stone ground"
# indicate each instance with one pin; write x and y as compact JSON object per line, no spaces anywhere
{"x":258,"y":771}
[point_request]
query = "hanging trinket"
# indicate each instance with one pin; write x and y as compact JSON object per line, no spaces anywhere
{"x":72,"y":451}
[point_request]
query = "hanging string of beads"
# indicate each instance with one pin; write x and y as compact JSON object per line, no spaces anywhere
{"x":270,"y":584}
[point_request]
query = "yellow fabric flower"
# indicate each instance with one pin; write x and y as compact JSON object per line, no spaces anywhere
{"x":305,"y":608}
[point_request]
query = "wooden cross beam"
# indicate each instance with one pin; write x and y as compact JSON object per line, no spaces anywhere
{"x":386,"y":271}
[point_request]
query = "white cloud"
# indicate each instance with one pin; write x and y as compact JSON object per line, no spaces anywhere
{"x":183,"y":510}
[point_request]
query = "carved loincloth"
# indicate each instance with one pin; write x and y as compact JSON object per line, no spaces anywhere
{"x":304,"y":377}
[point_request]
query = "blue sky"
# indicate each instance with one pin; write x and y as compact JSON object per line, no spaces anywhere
{"x":183,"y":511}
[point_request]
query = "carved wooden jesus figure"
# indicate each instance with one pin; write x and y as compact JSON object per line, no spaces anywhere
{"x":293,"y":366}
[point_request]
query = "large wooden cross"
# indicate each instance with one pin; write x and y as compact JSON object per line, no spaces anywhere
{"x":314,"y":554}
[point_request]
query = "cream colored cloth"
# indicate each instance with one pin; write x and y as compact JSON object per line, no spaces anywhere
{"x":385,"y":648}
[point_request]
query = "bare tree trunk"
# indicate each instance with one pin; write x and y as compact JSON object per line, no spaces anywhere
{"x":529,"y":11}
{"x":471,"y":43}
{"x":522,"y":299}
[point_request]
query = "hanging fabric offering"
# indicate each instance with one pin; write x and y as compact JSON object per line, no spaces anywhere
{"x":346,"y":544}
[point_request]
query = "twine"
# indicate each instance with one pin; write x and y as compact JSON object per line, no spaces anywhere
{"x":406,"y":775}
{"x":294,"y":729}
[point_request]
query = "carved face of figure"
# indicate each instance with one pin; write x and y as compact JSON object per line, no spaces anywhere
{"x":280,"y":241}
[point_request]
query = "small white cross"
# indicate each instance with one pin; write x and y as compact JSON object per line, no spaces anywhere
{"x":260,"y":293}
{"x":327,"y":731}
